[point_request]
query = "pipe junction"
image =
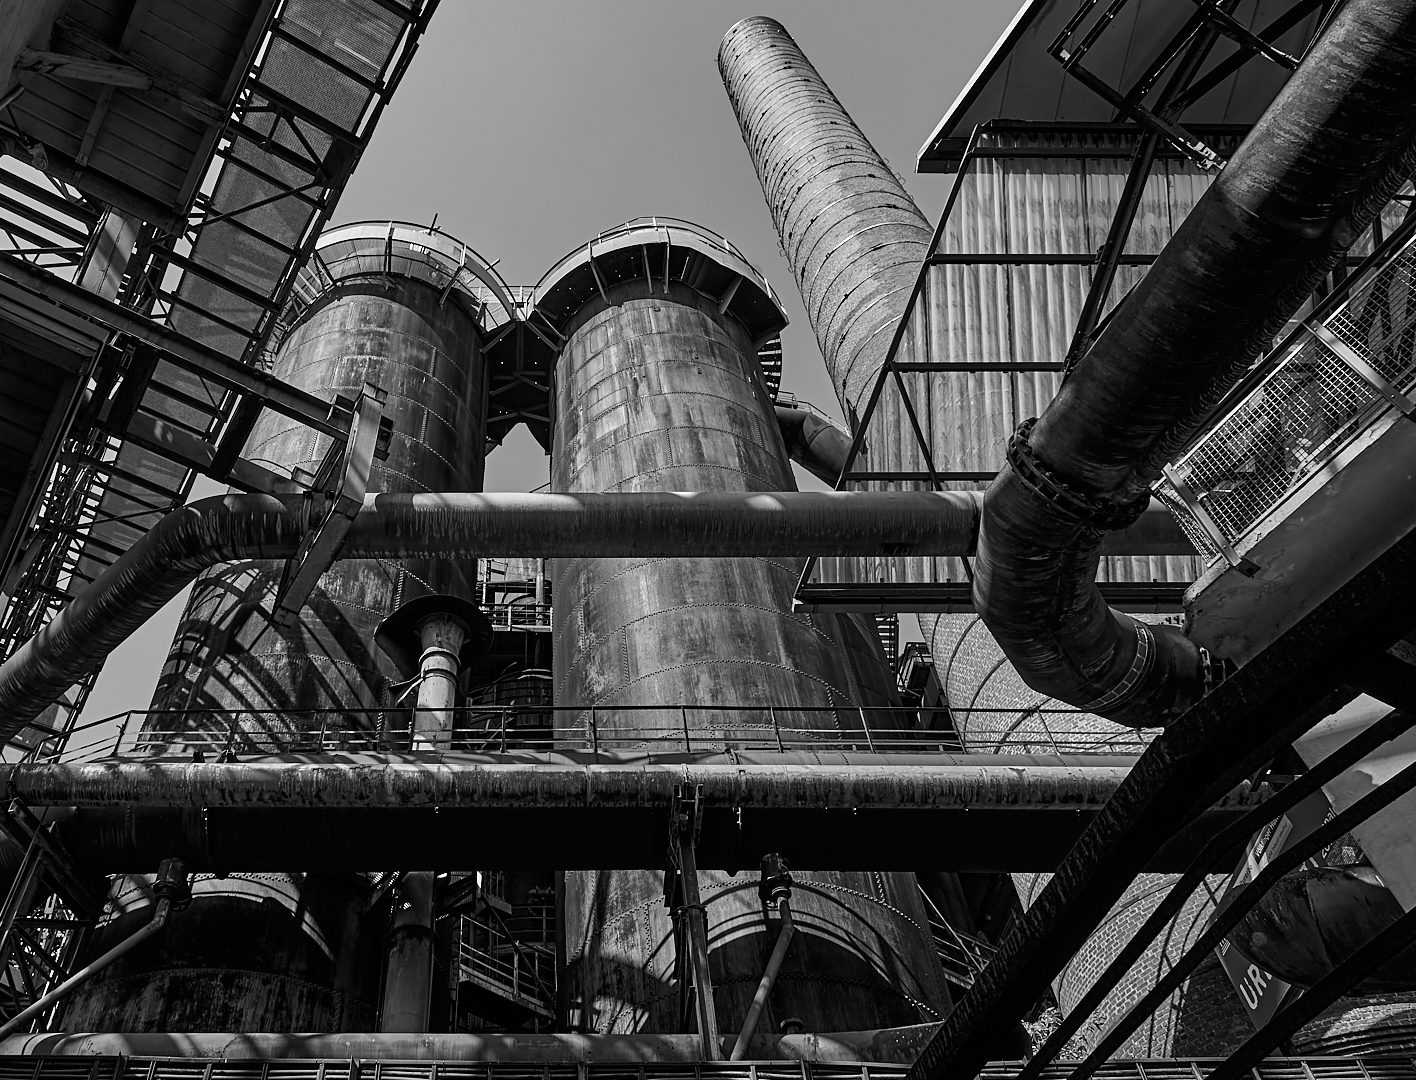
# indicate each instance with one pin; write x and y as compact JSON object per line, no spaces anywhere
{"x":1327,"y":156}
{"x":468,"y":525}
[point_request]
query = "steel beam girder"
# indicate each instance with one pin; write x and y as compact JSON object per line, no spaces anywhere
{"x":179,"y":350}
{"x":1232,"y":731}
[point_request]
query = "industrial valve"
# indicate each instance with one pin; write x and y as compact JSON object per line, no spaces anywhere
{"x":172,"y":883}
{"x":776,"y":883}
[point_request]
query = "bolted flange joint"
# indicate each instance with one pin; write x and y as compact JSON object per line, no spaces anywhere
{"x":173,"y":884}
{"x":776,"y":883}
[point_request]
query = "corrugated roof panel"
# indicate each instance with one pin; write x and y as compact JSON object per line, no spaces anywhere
{"x":1020,"y":81}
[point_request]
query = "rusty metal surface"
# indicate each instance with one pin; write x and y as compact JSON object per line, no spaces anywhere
{"x":302,"y":961}
{"x":583,"y":810}
{"x":765,"y":521}
{"x":897,"y":1045}
{"x":380,"y":811}
{"x":266,"y":951}
{"x":392,"y":332}
{"x":453,"y":526}
{"x":747,"y":779}
{"x":658,"y":390}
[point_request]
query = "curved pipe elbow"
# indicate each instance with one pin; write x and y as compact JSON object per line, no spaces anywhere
{"x":1314,"y":919}
{"x":814,"y":443}
{"x":1035,"y":589}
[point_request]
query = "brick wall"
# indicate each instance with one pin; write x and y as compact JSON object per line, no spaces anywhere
{"x":1203,"y":1018}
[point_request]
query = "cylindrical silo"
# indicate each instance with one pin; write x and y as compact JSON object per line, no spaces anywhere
{"x":858,"y":245}
{"x":658,"y":388}
{"x":373,"y":307}
{"x":403,"y":308}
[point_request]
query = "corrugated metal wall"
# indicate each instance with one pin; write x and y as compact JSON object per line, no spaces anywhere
{"x":1035,"y":223}
{"x":1051,"y":214}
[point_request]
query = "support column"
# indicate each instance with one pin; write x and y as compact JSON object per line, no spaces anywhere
{"x":434,"y":638}
{"x":442,"y":637}
{"x":408,"y":980}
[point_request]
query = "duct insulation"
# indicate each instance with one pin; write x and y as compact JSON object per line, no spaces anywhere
{"x":283,"y":952}
{"x":656,"y":388}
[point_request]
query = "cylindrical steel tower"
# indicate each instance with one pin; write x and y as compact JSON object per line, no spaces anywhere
{"x":658,"y":387}
{"x":857,"y":245}
{"x":852,"y":235}
{"x":403,"y":308}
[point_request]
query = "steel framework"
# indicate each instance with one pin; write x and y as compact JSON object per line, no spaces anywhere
{"x":181,"y":382}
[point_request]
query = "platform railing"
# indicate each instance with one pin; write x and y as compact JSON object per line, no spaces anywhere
{"x":1326,"y":384}
{"x":195,"y":1067}
{"x":495,"y":960}
{"x":216,"y":734}
{"x":527,"y":615}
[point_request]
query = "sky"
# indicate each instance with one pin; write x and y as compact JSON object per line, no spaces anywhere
{"x":528,"y":126}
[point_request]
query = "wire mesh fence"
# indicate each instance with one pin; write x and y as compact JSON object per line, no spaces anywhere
{"x":1332,"y":381}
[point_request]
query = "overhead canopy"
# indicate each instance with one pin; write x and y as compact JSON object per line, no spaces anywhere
{"x":1020,"y":80}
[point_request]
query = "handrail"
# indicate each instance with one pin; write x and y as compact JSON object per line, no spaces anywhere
{"x":1338,"y":372}
{"x":667,"y":226}
{"x":453,"y":257}
{"x":157,"y":734}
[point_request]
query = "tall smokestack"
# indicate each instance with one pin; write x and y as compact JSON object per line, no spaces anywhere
{"x":853,"y":237}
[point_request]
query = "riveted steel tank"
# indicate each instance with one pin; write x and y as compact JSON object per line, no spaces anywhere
{"x":658,"y":388}
{"x":405,"y":309}
{"x":375,"y":306}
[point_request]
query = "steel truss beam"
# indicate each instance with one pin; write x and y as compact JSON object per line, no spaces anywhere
{"x":233,"y":142}
{"x":179,"y":350}
{"x":1231,"y":732}
{"x":49,"y":909}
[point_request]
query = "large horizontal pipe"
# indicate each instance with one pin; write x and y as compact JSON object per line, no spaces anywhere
{"x":464,"y":525}
{"x":748,"y":780}
{"x":565,"y":811}
{"x":1336,"y":145}
{"x":900,"y":1045}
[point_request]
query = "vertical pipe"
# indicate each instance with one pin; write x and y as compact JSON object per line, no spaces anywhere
{"x":408,"y":981}
{"x":442,"y":636}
